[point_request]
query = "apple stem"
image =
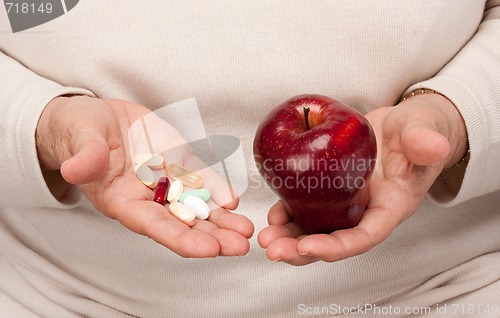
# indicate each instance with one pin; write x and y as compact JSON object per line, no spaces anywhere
{"x":306,"y":117}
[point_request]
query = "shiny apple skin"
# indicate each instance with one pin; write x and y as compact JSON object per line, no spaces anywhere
{"x":321,"y":174}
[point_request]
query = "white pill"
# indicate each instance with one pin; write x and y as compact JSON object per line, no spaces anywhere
{"x":142,"y":157}
{"x":183,"y":213}
{"x":198,"y":206}
{"x":155,"y":162}
{"x":146,"y":175}
{"x":175,"y":191}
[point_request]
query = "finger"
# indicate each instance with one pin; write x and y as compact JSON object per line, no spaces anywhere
{"x":90,"y":160}
{"x":375,"y":226}
{"x":231,"y":243}
{"x":232,"y":221}
{"x":422,"y":145}
{"x":281,"y":225}
{"x":275,"y":232}
{"x":153,"y":220}
{"x":277,"y":214}
{"x":285,"y":250}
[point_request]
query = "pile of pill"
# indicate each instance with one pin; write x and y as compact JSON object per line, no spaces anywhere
{"x":187,"y":205}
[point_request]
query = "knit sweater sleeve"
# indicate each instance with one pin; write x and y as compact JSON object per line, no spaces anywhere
{"x":23,"y":97}
{"x":471,"y":81}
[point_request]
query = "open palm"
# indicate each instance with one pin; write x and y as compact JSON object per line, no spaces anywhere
{"x":413,"y":147}
{"x":95,"y":155}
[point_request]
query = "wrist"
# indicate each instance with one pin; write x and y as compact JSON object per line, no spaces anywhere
{"x":457,"y":134}
{"x":48,"y":142}
{"x":48,"y":136}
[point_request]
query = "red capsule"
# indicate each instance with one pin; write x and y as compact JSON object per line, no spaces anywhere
{"x":161,"y":190}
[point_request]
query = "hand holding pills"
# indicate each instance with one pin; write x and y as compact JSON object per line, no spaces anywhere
{"x":86,"y":140}
{"x":192,"y":206}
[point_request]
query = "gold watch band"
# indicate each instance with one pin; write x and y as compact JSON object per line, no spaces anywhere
{"x":462,"y":162}
{"x":418,"y":91}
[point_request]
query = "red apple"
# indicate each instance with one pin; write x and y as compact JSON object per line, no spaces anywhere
{"x":318,"y":155}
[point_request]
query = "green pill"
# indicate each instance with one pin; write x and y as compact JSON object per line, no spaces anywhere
{"x":202,"y":193}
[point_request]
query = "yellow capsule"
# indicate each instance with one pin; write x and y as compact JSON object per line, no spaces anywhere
{"x":183,"y":213}
{"x":188,"y":178}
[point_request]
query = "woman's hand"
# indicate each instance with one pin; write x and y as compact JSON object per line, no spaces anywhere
{"x":87,"y":140}
{"x":415,"y":140}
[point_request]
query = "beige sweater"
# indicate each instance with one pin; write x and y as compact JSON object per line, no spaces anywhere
{"x":240,"y":58}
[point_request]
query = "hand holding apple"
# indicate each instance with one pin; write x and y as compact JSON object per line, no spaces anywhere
{"x":415,"y":141}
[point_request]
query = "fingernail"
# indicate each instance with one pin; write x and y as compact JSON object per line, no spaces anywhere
{"x":276,"y":260}
{"x":304,"y":254}
{"x":62,"y":165}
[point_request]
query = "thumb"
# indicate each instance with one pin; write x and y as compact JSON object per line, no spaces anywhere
{"x":90,"y":158}
{"x":423,"y":145}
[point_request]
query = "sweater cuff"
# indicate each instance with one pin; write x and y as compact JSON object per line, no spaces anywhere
{"x":27,"y":186}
